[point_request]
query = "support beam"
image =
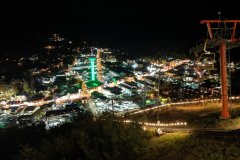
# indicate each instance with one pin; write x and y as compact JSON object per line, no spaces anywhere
{"x":210,"y":28}
{"x":234,"y":31}
{"x":219,"y":21}
{"x":209,"y":31}
{"x":223,"y":64}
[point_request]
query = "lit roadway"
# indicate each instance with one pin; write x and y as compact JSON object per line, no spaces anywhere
{"x":181,"y":103}
{"x":176,"y":127}
{"x":185,"y":129}
{"x":165,"y":127}
{"x":92,"y":107}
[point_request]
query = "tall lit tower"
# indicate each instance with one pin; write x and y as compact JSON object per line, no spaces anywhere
{"x":92,"y":68}
{"x":99,"y":65}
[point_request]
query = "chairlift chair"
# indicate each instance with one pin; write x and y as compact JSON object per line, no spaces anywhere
{"x":207,"y":58}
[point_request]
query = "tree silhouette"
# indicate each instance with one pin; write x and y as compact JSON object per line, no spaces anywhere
{"x":101,"y":139}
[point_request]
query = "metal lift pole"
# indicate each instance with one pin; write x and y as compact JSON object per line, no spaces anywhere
{"x":222,"y":42}
{"x":223,"y":64}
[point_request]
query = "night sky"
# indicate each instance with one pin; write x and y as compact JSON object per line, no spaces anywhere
{"x":134,"y":26}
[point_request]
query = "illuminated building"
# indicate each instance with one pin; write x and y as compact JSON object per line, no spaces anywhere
{"x":56,"y":38}
{"x":92,"y":68}
{"x":56,"y":41}
{"x":99,"y":65}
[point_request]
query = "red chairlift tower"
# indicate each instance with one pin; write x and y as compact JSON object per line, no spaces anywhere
{"x":224,"y":36}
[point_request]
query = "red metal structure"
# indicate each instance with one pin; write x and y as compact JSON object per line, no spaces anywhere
{"x":227,"y":38}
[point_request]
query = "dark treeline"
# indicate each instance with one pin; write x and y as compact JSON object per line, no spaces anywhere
{"x":83,"y":139}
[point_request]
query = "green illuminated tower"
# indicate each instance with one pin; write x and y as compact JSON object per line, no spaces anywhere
{"x":92,"y":68}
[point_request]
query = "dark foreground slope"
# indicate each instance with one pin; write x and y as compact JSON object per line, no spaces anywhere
{"x":107,"y":139}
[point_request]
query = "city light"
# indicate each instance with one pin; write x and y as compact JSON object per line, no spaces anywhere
{"x":176,"y":124}
{"x":92,"y":68}
{"x":182,"y":103}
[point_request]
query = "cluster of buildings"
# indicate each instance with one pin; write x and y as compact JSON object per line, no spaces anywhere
{"x":74,"y":80}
